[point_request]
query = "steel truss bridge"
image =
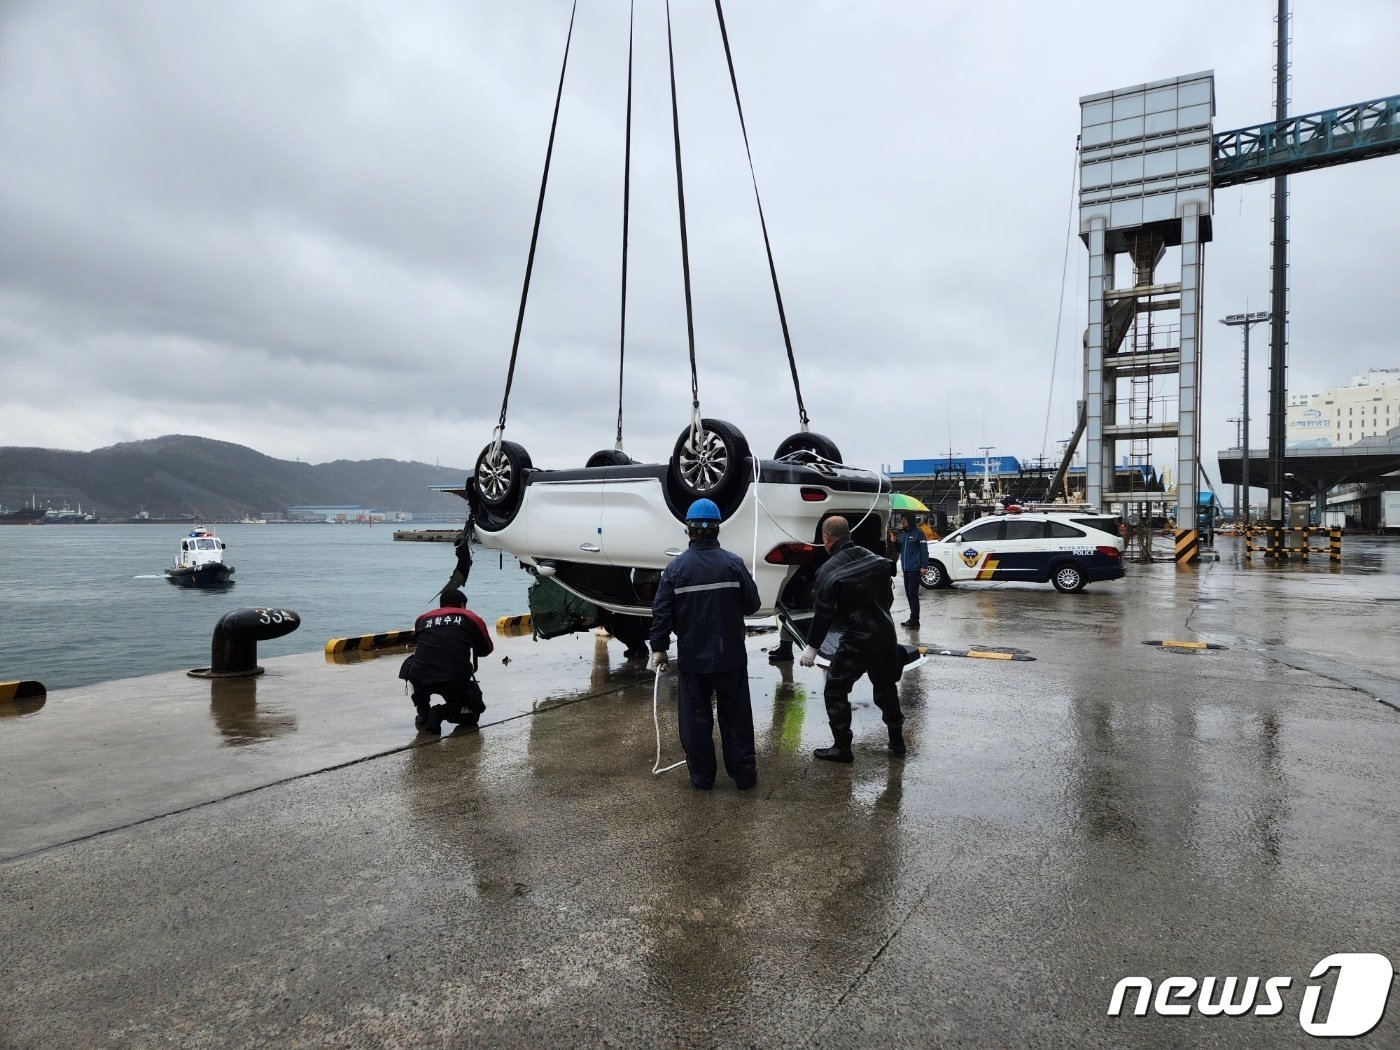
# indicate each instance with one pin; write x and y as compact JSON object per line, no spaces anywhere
{"x":1317,"y":140}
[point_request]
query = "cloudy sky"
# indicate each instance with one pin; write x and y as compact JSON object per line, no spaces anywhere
{"x":303,"y":226}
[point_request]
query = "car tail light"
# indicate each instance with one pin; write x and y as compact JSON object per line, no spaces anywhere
{"x":814,"y":495}
{"x":1109,"y":552}
{"x":790,"y":554}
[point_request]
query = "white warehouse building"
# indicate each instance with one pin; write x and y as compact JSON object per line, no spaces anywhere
{"x":1344,"y":415}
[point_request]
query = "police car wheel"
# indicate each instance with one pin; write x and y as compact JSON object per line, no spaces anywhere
{"x":933,"y":576}
{"x":1068,"y":578}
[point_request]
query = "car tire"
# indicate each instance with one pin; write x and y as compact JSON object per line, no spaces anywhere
{"x":822,"y":445}
{"x":609,"y":457}
{"x":500,"y":482}
{"x":1068,"y":577}
{"x":714,"y":468}
{"x":934,"y":576}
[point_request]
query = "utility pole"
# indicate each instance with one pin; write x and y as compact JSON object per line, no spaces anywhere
{"x":1248,"y":321}
{"x":1279,"y":293}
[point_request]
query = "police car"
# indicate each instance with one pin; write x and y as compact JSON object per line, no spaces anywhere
{"x":1067,"y":548}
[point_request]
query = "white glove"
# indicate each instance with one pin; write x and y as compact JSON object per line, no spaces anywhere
{"x":809,"y":657}
{"x":659,"y":660}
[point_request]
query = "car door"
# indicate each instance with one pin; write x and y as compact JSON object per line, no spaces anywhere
{"x":638,"y":529}
{"x":974,"y":551}
{"x":564,"y":520}
{"x":1021,"y":552}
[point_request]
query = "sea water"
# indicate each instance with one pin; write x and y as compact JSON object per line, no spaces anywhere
{"x":89,"y":603}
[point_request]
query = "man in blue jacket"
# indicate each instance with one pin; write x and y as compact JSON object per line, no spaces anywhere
{"x":913,"y":556}
{"x":703,"y":597}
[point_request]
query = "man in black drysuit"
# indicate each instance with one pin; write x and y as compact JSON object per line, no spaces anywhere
{"x":450,"y":641}
{"x":704,"y":596}
{"x":853,"y":594}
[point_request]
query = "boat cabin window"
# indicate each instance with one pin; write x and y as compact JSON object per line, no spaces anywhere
{"x":185,"y":545}
{"x":206,"y":545}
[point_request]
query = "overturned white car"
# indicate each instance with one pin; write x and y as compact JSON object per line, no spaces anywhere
{"x":606,"y":530}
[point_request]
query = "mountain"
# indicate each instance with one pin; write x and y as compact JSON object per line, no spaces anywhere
{"x":180,"y":475}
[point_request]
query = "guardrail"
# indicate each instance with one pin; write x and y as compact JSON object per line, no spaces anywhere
{"x":1275,"y":546}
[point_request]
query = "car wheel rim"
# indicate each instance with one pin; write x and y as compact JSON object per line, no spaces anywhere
{"x":703,"y":461}
{"x":493,"y":477}
{"x":1068,"y":577}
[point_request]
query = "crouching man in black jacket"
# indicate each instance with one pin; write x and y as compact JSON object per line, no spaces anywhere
{"x":853,"y":594}
{"x":704,"y":596}
{"x":451,"y":639}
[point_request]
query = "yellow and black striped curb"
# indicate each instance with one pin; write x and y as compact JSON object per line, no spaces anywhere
{"x":25,"y":690}
{"x":1187,"y":645}
{"x":1273,"y":546}
{"x":978,"y":654}
{"x":1188,"y":546}
{"x":367,"y":642}
{"x":514,"y":625}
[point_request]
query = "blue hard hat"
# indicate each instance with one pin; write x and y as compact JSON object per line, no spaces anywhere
{"x":702,"y":510}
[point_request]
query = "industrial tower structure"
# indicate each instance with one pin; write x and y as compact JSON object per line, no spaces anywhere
{"x":1145,"y":156}
{"x":1149,"y":162}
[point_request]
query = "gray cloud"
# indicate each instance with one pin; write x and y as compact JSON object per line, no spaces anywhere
{"x":327,"y":209}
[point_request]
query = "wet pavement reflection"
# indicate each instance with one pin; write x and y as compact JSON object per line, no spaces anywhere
{"x":1109,"y":809}
{"x":233,"y":704}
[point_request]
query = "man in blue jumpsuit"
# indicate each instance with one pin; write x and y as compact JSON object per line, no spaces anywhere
{"x":853,"y":594}
{"x":704,"y":596}
{"x":913,"y":556}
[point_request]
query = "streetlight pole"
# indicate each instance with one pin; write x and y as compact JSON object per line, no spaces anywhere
{"x":1246,"y":321}
{"x":1238,"y":444}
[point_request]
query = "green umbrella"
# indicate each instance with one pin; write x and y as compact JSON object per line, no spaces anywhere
{"x":899,"y":501}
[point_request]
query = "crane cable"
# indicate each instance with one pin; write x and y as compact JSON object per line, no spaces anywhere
{"x":1060,"y":315}
{"x":685,"y":241}
{"x":763,"y":223}
{"x":626,"y":203}
{"x":535,"y":233}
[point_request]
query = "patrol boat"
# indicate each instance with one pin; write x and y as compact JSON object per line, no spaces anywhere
{"x":200,"y":562}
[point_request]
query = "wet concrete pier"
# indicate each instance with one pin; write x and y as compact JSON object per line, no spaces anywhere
{"x":283,"y":861}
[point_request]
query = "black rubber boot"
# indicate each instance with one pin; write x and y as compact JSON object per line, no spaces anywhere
{"x":835,"y":753}
{"x":781,"y":654}
{"x":896,"y":740}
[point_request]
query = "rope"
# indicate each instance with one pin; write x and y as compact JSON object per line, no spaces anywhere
{"x":685,"y":242}
{"x":791,"y":457}
{"x":656,"y":720}
{"x":535,"y":233}
{"x":626,"y":200}
{"x":767,"y":245}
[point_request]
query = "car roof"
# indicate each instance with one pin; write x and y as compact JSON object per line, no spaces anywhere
{"x":1039,"y":515}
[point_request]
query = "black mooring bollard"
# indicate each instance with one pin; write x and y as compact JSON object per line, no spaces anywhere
{"x":234,"y":651}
